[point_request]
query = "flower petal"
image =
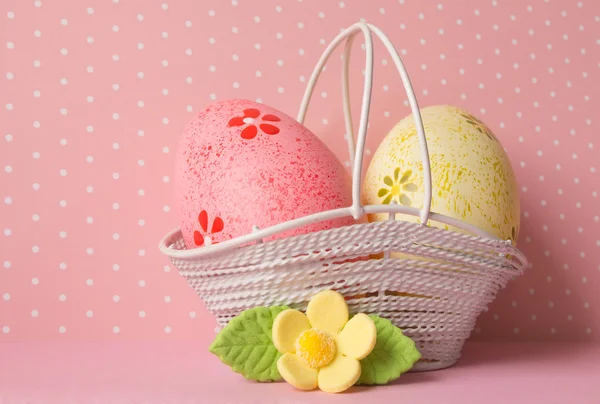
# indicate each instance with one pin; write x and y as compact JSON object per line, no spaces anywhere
{"x":396,"y":173}
{"x":198,"y":239}
{"x":251,"y":113}
{"x":358,"y":337}
{"x":269,"y":129}
{"x":249,"y":132}
{"x":410,"y":187}
{"x":382,"y":192}
{"x":271,"y":118}
{"x":296,"y":373}
{"x":387,"y":200}
{"x":405,"y":200}
{"x":339,"y":375}
{"x":388,"y":181}
{"x":203,"y":220}
{"x":287,"y":327}
{"x":237,"y":121}
{"x":405,"y":176}
{"x":328,"y":311}
{"x":217,"y":225}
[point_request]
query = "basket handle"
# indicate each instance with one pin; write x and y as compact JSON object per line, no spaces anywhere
{"x":356,"y":156}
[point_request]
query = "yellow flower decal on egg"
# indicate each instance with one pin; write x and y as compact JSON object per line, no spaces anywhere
{"x":322,"y":348}
{"x":480,"y":126}
{"x":396,"y":186}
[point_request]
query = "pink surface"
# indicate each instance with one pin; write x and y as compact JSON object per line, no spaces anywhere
{"x":185,"y":373}
{"x":94,"y":94}
{"x":248,"y":164}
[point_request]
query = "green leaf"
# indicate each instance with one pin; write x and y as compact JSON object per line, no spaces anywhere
{"x":394,"y":354}
{"x":246,"y":346}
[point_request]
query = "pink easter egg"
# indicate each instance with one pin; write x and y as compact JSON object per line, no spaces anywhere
{"x":242,"y":164}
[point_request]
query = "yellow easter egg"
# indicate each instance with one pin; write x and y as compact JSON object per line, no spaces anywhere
{"x":472,"y":178}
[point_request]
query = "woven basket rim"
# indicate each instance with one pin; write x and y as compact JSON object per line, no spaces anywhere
{"x":167,"y":242}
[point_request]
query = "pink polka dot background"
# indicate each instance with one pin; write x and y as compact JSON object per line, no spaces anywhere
{"x":95,"y":93}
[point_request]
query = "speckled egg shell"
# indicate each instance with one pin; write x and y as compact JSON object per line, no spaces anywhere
{"x":241,"y":163}
{"x":472,"y":178}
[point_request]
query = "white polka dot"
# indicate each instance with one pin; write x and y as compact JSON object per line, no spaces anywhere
{"x":62,"y":266}
{"x":142,"y":313}
{"x":140,"y":17}
{"x":89,"y":314}
{"x":116,"y":329}
{"x":168,"y":329}
{"x":62,"y":329}
{"x":166,"y":209}
{"x":165,"y":35}
{"x":62,"y":297}
{"x":5,"y":329}
{"x":116,"y":267}
{"x":192,"y":314}
{"x":89,"y":251}
{"x":7,"y":264}
{"x":116,"y":298}
{"x":6,"y":296}
{"x":35,"y":249}
{"x":167,"y":299}
{"x":164,"y":6}
{"x":115,"y":206}
{"x":141,"y":253}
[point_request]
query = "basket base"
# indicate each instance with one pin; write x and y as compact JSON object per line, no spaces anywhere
{"x":429,"y":366}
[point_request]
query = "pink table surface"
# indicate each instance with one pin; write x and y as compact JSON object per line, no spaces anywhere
{"x":489,"y":372}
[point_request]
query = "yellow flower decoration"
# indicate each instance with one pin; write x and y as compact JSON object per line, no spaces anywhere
{"x":322,"y":348}
{"x":396,"y":186}
{"x":480,"y":126}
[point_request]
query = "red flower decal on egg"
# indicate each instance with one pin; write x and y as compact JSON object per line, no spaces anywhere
{"x":249,"y":120}
{"x":205,"y":239}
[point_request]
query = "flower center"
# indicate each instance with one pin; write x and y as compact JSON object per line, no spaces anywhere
{"x":315,"y":348}
{"x":248,"y":120}
{"x":396,"y":190}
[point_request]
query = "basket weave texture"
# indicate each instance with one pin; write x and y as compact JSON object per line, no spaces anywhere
{"x":433,"y":292}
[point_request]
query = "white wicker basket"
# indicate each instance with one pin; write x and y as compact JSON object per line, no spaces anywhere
{"x":434,"y":293}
